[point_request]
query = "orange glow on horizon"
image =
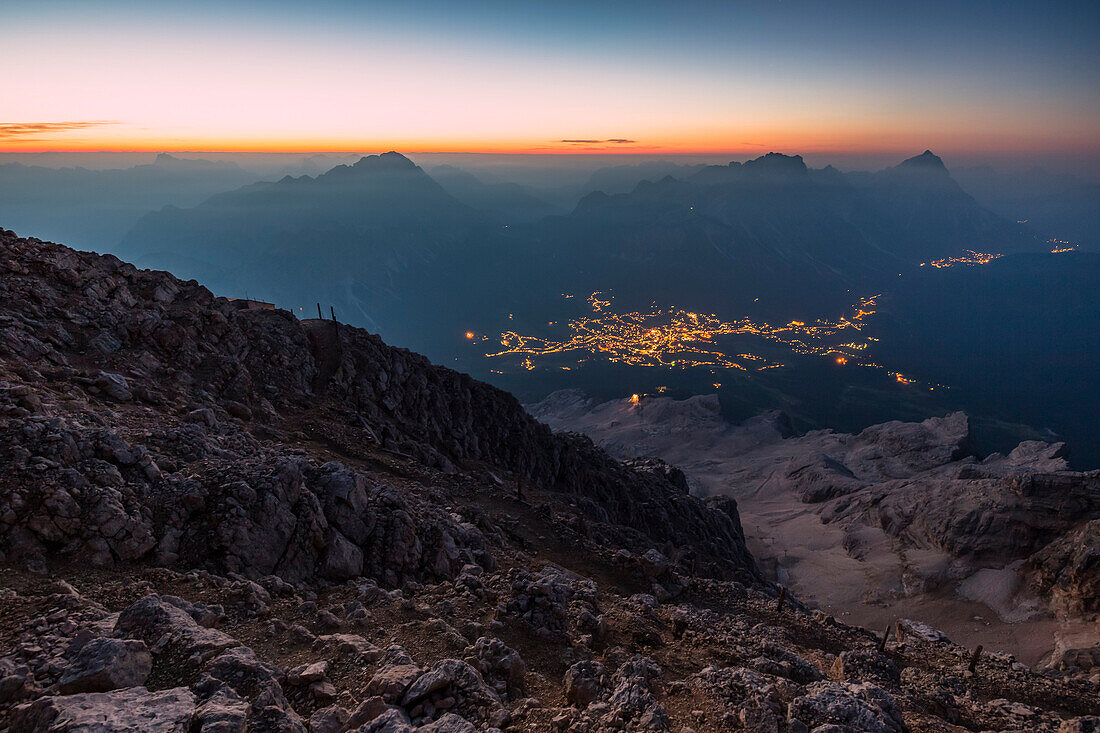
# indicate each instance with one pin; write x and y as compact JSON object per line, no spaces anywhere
{"x":223,"y":78}
{"x":792,"y":142}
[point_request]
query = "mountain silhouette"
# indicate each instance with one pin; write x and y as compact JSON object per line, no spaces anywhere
{"x":345,"y":237}
{"x":395,"y":251}
{"x":768,"y":233}
{"x":925,"y":161}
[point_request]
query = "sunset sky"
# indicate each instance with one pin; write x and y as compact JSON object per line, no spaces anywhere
{"x":805,"y":76}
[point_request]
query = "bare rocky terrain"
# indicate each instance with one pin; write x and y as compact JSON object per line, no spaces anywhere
{"x":216,"y":517}
{"x":901,"y":519}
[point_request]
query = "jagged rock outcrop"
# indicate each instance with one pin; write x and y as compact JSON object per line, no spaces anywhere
{"x":180,"y":471}
{"x":1069,"y":569}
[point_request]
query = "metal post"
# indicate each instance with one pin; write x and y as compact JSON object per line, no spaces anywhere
{"x":782,"y":597}
{"x":319,"y":316}
{"x":974,"y":658}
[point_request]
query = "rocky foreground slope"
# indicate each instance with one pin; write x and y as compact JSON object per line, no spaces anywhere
{"x":214,"y":517}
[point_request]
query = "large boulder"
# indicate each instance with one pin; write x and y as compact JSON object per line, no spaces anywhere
{"x":103,"y":665}
{"x":451,"y":684}
{"x":584,"y":683}
{"x":396,"y":672}
{"x":500,"y":665}
{"x":163,"y":625}
{"x":133,"y":710}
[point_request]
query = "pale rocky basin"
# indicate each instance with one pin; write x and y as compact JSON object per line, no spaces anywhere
{"x":917,"y":526}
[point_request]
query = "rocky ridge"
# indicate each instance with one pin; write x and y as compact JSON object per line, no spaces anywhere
{"x":218,"y":518}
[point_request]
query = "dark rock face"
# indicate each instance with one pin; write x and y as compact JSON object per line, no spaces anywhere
{"x":444,"y":417}
{"x":103,"y":665}
{"x":187,"y":379}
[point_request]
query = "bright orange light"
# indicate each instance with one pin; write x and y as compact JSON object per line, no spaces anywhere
{"x":841,"y":360}
{"x":635,"y":399}
{"x":469,"y":334}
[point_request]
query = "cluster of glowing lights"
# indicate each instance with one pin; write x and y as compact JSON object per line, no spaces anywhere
{"x":597,"y":303}
{"x":1061,"y":246}
{"x":680,"y":339}
{"x":968,"y":258}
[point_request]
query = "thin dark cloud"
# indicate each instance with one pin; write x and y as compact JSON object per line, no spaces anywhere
{"x":614,"y":140}
{"x":30,"y":129}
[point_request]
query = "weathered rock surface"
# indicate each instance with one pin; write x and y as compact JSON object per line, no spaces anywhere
{"x":1068,"y":569}
{"x":854,"y":707}
{"x":103,"y":665}
{"x":132,"y":710}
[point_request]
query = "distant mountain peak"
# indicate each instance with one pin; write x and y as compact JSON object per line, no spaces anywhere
{"x":925,"y":161}
{"x":369,"y":165}
{"x":167,"y":160}
{"x":778,"y":164}
{"x":592,"y":200}
{"x":392,"y":161}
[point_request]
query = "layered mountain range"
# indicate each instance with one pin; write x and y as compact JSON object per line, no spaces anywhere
{"x":423,"y":262}
{"x":380,"y":239}
{"x":799,"y":240}
{"x":219,"y":517}
{"x":95,"y":208}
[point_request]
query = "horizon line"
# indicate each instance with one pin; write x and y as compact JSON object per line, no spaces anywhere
{"x":574,"y":152}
